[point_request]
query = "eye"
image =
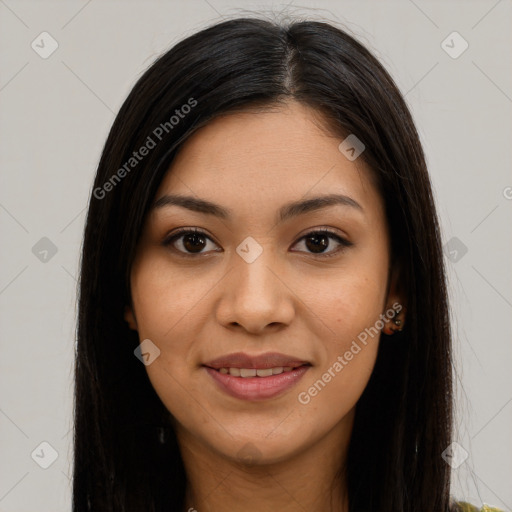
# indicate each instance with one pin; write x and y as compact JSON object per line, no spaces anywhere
{"x":192,"y":241}
{"x":320,"y":239}
{"x":188,"y":241}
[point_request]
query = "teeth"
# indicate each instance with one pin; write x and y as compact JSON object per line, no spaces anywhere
{"x":247,"y":372}
{"x":253,"y":372}
{"x":264,"y":372}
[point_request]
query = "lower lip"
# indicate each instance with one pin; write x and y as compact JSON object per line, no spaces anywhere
{"x":257,"y":388}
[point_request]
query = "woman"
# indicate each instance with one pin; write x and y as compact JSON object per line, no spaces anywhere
{"x":263,"y":319}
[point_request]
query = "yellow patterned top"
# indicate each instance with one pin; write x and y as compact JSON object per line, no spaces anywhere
{"x":467,"y":507}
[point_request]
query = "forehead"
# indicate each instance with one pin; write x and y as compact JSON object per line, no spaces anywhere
{"x":265,"y":158}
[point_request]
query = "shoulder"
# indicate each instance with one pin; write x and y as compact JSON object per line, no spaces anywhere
{"x":462,"y":506}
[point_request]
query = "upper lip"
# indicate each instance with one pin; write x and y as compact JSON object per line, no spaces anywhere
{"x":266,"y":360}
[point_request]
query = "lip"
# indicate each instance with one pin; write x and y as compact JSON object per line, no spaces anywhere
{"x":267,"y":360}
{"x":256,"y":388}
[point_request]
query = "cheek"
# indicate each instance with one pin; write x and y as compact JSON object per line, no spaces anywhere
{"x":166,"y":300}
{"x":350,"y":303}
{"x":170,"y":308}
{"x":347,"y":358}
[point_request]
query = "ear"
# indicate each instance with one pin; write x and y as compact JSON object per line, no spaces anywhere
{"x":397,"y":290}
{"x":129,"y":317}
{"x":395,"y":301}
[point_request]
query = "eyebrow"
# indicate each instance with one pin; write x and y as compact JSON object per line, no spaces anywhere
{"x":286,"y":212}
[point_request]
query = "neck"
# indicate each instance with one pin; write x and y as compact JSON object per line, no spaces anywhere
{"x":311,"y":480}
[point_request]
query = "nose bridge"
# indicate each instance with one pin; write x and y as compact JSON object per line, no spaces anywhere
{"x":254,"y":280}
{"x":255,"y":297}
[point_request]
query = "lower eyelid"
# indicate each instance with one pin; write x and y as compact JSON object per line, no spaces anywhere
{"x":343,"y":243}
{"x":170,"y":240}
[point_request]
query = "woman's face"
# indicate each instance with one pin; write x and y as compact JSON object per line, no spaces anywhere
{"x":260,"y":279}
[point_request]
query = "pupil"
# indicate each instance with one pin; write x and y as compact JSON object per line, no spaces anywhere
{"x":197,"y":242}
{"x":319,"y":241}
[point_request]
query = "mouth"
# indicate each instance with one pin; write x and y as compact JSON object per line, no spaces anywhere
{"x":266,"y":361}
{"x":256,"y":378}
{"x":245,"y":373}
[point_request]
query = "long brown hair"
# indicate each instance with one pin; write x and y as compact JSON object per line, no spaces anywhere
{"x":126,"y":457}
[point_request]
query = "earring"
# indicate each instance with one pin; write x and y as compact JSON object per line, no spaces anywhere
{"x":390,"y":330}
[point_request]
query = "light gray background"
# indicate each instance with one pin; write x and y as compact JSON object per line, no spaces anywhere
{"x":56,"y":113}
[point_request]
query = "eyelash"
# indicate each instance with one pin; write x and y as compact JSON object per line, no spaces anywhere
{"x":168,"y":241}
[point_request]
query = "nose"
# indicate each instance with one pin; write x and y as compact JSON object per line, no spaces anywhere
{"x":255,"y":296}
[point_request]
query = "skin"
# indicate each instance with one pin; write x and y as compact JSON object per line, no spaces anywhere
{"x":289,"y":300}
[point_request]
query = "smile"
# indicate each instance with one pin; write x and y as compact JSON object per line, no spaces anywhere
{"x":255,"y":372}
{"x":256,"y":384}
